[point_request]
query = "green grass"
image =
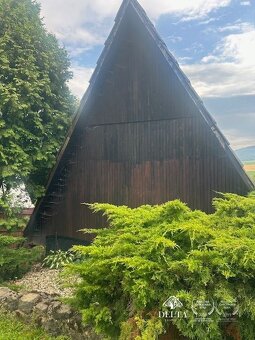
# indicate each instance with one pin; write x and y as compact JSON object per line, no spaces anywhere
{"x":13,"y":329}
{"x":249,"y":162}
{"x":252,"y":175}
{"x":12,"y":286}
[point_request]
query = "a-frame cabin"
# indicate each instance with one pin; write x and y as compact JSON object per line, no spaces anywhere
{"x":141,"y":136}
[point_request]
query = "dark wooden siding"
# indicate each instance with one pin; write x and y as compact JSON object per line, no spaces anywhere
{"x":143,"y":163}
{"x":142,"y":140}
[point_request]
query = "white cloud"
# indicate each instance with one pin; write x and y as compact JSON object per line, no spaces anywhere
{"x":237,"y":139}
{"x":221,"y":79}
{"x":245,"y":3}
{"x":76,"y":51}
{"x":82,"y":24}
{"x":241,"y":47}
{"x":80,"y":81}
{"x":237,"y":27}
{"x":87,"y":22}
{"x":238,"y":46}
{"x":186,"y":8}
{"x":208,"y":21}
{"x":174,"y":39}
{"x":184,"y":59}
{"x":79,"y":22}
{"x":230,"y":70}
{"x":79,"y":37}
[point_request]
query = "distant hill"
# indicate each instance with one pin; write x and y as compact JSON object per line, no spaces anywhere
{"x":246,"y":154}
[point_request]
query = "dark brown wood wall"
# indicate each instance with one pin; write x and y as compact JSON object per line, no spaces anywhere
{"x":142,"y":141}
{"x":144,"y":163}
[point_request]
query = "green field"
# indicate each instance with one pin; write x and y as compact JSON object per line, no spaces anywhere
{"x":249,"y":167}
{"x":249,"y":163}
{"x":252,"y":175}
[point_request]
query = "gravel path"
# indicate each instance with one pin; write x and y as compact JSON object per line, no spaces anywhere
{"x":43,"y":280}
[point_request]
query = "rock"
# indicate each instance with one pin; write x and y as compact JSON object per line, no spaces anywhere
{"x":55,"y":305}
{"x":20,"y":314}
{"x":4,"y":291}
{"x":41,"y":307}
{"x":51,"y":326}
{"x":8,"y":298}
{"x":28,"y":301}
{"x":46,"y":311}
{"x":64,"y":312}
{"x":12,"y":304}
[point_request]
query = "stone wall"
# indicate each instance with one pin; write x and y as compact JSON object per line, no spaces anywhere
{"x":46,"y":311}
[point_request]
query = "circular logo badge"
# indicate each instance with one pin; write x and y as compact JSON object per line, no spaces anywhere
{"x":227,"y":309}
{"x":202,"y":308}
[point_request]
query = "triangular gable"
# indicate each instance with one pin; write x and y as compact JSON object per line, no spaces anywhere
{"x":85,"y":102}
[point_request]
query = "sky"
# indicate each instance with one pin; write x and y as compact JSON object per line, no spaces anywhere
{"x":212,"y":40}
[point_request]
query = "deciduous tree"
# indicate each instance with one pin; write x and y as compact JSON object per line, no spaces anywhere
{"x":35,"y":102}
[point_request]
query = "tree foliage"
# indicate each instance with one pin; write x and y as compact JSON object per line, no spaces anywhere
{"x":35,"y":102}
{"x":10,"y":216}
{"x":153,"y":252}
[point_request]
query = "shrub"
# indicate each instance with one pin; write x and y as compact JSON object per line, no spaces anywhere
{"x":153,"y":252}
{"x":15,"y":259}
